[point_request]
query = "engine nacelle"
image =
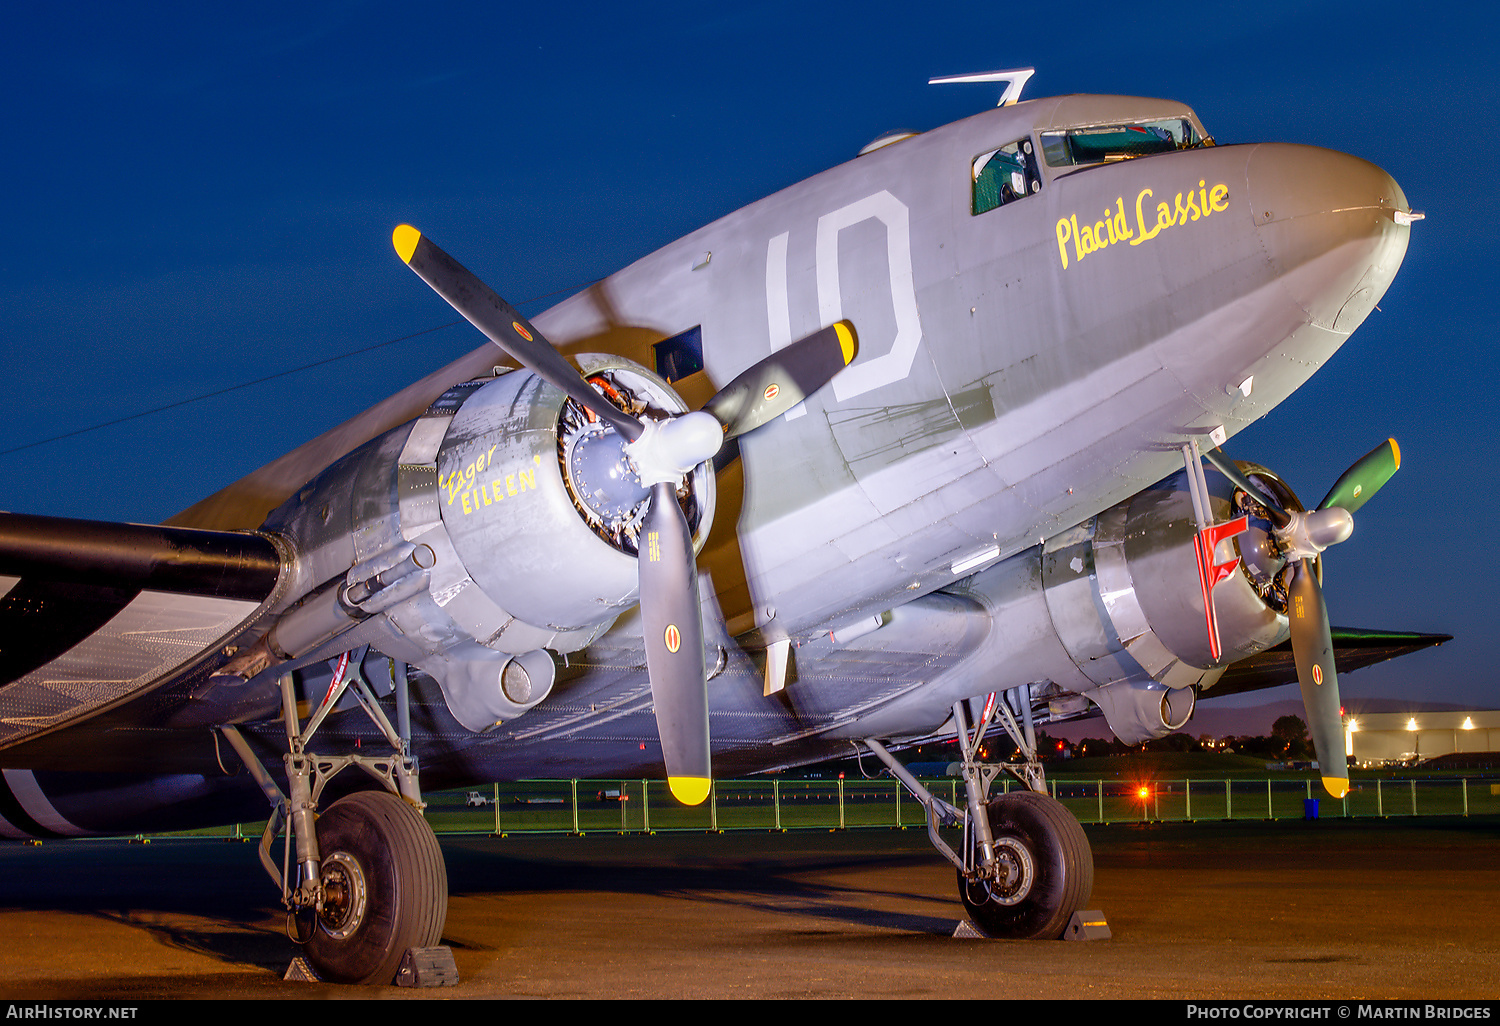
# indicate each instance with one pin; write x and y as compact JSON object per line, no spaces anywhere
{"x":1139,"y":711}
{"x":498,"y":527}
{"x":1122,"y":591}
{"x":1108,"y":614}
{"x":540,"y":504}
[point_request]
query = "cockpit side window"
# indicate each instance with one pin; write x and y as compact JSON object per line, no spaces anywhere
{"x":1004,"y":175}
{"x":1099,"y":144}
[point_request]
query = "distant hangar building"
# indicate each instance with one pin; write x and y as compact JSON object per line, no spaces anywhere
{"x":1374,"y":738}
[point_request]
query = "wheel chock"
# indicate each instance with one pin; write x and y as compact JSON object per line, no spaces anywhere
{"x":1087,"y":926}
{"x":428,"y":967}
{"x":301,"y":971}
{"x":968,"y":931}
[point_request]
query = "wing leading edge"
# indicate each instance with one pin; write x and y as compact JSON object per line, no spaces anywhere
{"x":92,"y":613}
{"x":1353,"y":649}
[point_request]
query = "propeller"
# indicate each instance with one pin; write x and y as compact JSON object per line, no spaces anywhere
{"x":662,"y":453}
{"x":1301,"y":538}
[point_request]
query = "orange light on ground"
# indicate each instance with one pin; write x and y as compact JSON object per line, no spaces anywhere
{"x":1145,"y":793}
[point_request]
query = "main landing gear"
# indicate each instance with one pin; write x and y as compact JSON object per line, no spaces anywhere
{"x":385,"y":889}
{"x":1045,"y":870}
{"x":369,"y":885}
{"x":1026,"y":868}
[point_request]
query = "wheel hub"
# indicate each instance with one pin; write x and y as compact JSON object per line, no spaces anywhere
{"x":1016,"y":873}
{"x":345,"y":896}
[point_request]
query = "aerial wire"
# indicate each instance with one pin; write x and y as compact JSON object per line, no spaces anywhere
{"x":259,"y":381}
{"x":225,"y":391}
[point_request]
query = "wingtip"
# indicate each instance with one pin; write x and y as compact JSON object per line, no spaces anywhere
{"x":405,"y":239}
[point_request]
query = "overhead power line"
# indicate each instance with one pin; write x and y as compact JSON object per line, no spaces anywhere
{"x":257,"y":381}
{"x":225,"y":391}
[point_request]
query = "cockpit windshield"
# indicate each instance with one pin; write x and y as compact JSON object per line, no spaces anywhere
{"x":1099,"y":144}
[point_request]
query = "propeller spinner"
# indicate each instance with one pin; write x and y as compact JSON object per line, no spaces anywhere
{"x":1300,"y":538}
{"x":661,"y":453}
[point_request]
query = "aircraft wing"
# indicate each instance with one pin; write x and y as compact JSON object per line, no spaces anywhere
{"x":1353,"y":649}
{"x":93,"y":614}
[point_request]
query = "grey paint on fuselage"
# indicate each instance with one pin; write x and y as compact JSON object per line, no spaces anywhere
{"x":1009,"y":386}
{"x":1038,"y":395}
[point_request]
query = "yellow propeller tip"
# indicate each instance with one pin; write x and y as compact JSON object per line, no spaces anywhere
{"x":846,"y":340}
{"x":689,"y":790}
{"x":1397,"y":450}
{"x":1336,"y":786}
{"x":405,"y":239}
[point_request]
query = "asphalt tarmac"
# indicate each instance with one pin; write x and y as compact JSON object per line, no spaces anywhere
{"x":1361,"y":910}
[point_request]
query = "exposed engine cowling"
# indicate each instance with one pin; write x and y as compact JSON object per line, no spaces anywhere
{"x":540,"y":502}
{"x":1110,"y":613}
{"x":495,"y":529}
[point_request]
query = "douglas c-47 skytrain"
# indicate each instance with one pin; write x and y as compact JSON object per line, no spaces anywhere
{"x":913,"y":449}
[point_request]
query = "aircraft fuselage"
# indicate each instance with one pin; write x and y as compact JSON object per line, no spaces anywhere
{"x":1042,"y":324}
{"x":1020,"y":369}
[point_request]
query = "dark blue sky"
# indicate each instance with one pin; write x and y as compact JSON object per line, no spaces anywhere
{"x":198,"y":196}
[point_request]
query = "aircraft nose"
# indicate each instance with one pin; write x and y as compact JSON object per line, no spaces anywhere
{"x":1328,"y":221}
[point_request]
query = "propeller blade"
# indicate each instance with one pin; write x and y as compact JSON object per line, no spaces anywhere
{"x":769,"y":388}
{"x":660,"y":453}
{"x":670,"y":618}
{"x":1312,"y":648}
{"x":670,"y":613}
{"x":1361,"y":481}
{"x":1229,"y":469}
{"x":502,"y":324}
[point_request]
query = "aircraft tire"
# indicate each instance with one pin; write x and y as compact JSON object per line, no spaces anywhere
{"x":387,"y":886}
{"x":1036,"y":831}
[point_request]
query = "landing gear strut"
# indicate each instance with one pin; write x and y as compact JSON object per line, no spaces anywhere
{"x":1025,"y":868}
{"x":368,"y":882}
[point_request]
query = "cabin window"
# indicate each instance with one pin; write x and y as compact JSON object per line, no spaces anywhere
{"x":1104,"y":143}
{"x":680,"y":355}
{"x":1004,"y":175}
